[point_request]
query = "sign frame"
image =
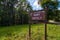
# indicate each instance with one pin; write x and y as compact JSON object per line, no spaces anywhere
{"x":45,"y":22}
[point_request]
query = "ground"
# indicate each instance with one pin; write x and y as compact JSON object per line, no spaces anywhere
{"x":20,"y":32}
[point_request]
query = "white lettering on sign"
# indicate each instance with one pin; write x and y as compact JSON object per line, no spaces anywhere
{"x":38,"y":15}
{"x":35,"y":18}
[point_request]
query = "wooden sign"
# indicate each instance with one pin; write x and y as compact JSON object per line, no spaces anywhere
{"x":38,"y":15}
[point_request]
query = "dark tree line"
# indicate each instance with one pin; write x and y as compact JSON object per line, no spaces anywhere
{"x":10,"y":14}
{"x":14,"y":12}
{"x":52,"y":10}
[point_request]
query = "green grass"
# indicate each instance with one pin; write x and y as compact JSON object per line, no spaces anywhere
{"x":20,"y":32}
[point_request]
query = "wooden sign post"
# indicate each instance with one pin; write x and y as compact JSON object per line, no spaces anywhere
{"x":38,"y":16}
{"x":46,"y":30}
{"x":28,"y":10}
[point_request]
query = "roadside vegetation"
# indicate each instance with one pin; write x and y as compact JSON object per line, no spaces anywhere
{"x":20,"y":32}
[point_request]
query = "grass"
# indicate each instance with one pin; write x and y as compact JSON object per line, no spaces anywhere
{"x":20,"y":32}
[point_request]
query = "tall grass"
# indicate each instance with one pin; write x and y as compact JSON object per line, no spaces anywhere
{"x":20,"y":32}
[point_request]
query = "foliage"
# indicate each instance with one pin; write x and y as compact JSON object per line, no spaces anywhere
{"x":43,"y":1}
{"x":58,"y":16}
{"x":12,"y":10}
{"x":51,"y":9}
{"x":20,"y":32}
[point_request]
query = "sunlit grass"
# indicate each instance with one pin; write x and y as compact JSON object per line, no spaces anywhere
{"x":53,"y":32}
{"x":20,"y":32}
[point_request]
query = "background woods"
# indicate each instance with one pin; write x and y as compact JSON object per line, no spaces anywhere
{"x":13,"y":12}
{"x":16,"y":11}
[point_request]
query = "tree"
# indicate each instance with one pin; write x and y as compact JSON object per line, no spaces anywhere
{"x":24,"y":14}
{"x":51,"y":8}
{"x":12,"y":10}
{"x":43,"y":1}
{"x":8,"y":11}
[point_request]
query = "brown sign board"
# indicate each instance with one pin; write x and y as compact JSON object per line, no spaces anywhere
{"x":38,"y":15}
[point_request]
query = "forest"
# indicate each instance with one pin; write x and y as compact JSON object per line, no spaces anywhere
{"x":14,"y":12}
